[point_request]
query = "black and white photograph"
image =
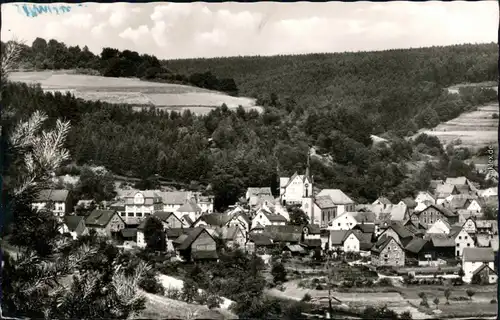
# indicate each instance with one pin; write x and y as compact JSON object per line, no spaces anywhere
{"x":249,"y":160}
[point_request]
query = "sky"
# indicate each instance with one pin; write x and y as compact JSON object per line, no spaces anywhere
{"x":177,"y":30}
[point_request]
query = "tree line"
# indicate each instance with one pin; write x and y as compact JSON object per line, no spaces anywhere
{"x":54,"y":55}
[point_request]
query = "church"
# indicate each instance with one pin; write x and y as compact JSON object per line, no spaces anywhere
{"x":298,"y":190}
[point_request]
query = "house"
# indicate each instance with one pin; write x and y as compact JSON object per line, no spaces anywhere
{"x":206,"y":203}
{"x":74,"y":225}
{"x":311,"y":236}
{"x":212,"y":220}
{"x":129,"y":235}
{"x":232,"y":236}
{"x":118,"y":206}
{"x":343,"y":240}
{"x":443,"y":191}
{"x":140,"y":204}
{"x":186,"y":221}
{"x":423,"y":196}
{"x":340,"y":199}
{"x":60,"y":201}
{"x":476,"y":205}
{"x":422,"y":206}
{"x":422,"y":250}
{"x":326,"y":209}
{"x":382,"y":201}
{"x":105,"y":222}
{"x":259,"y":242}
{"x":399,"y":212}
{"x":295,"y":188}
{"x":460,"y":181}
{"x":388,"y":252}
{"x":173,"y":200}
{"x":295,"y":250}
{"x":462,"y":240}
{"x":173,"y":234}
{"x":470,"y":226}
{"x":284,"y":234}
{"x":464,"y":214}
{"x":253,"y":195}
{"x":485,"y":275}
{"x":169,"y":219}
{"x":240,"y":220}
{"x":398,"y":232}
{"x":345,"y":221}
{"x":487,"y":226}
{"x":443,"y":245}
{"x":85,"y":205}
{"x":265,"y":218}
{"x":473,"y":258}
{"x":490,"y":192}
{"x":434,"y":212}
{"x":441,"y":226}
{"x":435,"y":183}
{"x":198,"y":245}
{"x":189,"y":208}
{"x":410,"y":203}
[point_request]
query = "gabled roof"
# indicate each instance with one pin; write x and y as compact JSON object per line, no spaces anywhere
{"x":174,"y":197}
{"x":312,"y":243}
{"x":365,"y":227}
{"x":337,"y":237}
{"x":478,"y":255}
{"x":457,"y":203}
{"x":313,"y":229}
{"x":192,"y":235}
{"x":100,"y":218}
{"x":483,"y":240}
{"x":416,"y":245}
{"x":398,"y":213}
{"x":444,"y":190}
{"x":129,"y":232}
{"x":188,"y":220}
{"x":56,"y":195}
{"x":457,"y":181}
{"x":174,"y":233}
{"x":146,"y":193}
{"x":363,"y":216}
{"x":410,"y":203}
{"x":338,"y":197}
{"x":260,"y":239}
{"x":252,"y":191}
{"x":72,"y":222}
{"x":481,"y":268}
{"x":382,"y":243}
{"x":383,"y":200}
{"x":435,"y":183}
{"x":215,"y":219}
{"x":324,"y":202}
{"x":442,"y":241}
{"x":261,"y":200}
{"x":286,"y":233}
{"x":445,"y":211}
{"x":274,"y":217}
{"x":163,"y":216}
{"x":400,"y":230}
{"x":295,"y":248}
{"x":227,"y":233}
{"x":463,"y":188}
{"x":189,"y":206}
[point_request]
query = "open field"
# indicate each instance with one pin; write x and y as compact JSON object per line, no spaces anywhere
{"x":133,"y":91}
{"x":475,"y":129}
{"x":487,"y":84}
{"x":405,"y":298}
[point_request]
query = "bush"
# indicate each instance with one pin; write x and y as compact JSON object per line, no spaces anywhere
{"x":384,"y":282}
{"x":320,"y":287}
{"x":307,"y":297}
{"x":494,"y":116}
{"x":424,"y":303}
{"x":460,"y":298}
{"x":493,"y":301}
{"x":174,"y":294}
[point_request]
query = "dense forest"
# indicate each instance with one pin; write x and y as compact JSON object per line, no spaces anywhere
{"x":330,"y":101}
{"x":54,"y":55}
{"x":394,"y":89}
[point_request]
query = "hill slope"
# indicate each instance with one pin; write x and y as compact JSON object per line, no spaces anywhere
{"x":134,"y":91}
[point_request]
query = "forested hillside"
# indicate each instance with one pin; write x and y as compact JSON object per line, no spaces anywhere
{"x":54,"y":55}
{"x":394,"y":89}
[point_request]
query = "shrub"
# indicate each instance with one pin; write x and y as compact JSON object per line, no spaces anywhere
{"x":424,"y":303}
{"x":460,"y":298}
{"x":320,"y":287}
{"x":174,"y":294}
{"x":493,"y":301}
{"x":494,"y":116}
{"x":307,"y":297}
{"x":385,"y":282}
{"x":470,"y":293}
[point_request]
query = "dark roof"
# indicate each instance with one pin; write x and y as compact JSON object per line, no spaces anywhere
{"x":260,"y":239}
{"x":442,"y":241}
{"x":463,"y":189}
{"x":57,"y":195}
{"x":163,"y":216}
{"x":286,"y":233}
{"x":445,"y":211}
{"x":312,"y":243}
{"x":400,"y":230}
{"x":99,"y":218}
{"x":382,"y":243}
{"x":174,"y":197}
{"x":415,"y":245}
{"x":72,"y":222}
{"x":259,"y":191}
{"x":384,"y":200}
{"x":365,"y":227}
{"x":457,"y":180}
{"x":129,"y":232}
{"x":478,"y":255}
{"x":191,"y":237}
{"x":189,"y":206}
{"x":227,"y":233}
{"x":204,"y":255}
{"x":481,"y":269}
{"x":274,"y":217}
{"x":313,"y":229}
{"x":364,"y":216}
{"x":410,"y":203}
{"x":187,"y":219}
{"x":174,"y":233}
{"x":337,"y":237}
{"x":324,"y":202}
{"x":295,"y":248}
{"x":215,"y":219}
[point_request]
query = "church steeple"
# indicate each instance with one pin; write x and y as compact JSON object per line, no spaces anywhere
{"x":308,"y":163}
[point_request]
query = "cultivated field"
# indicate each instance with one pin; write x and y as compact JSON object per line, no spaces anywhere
{"x":474,"y":129}
{"x":133,"y":91}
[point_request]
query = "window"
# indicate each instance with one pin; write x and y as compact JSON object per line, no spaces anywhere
{"x":139,"y":214}
{"x":458,"y":245}
{"x":130,"y":214}
{"x":339,"y":224}
{"x":459,"y":237}
{"x":468,"y":244}
{"x":385,"y":256}
{"x":465,"y":237}
{"x":122,"y":214}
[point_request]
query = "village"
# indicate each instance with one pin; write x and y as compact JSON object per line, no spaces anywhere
{"x":442,"y":229}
